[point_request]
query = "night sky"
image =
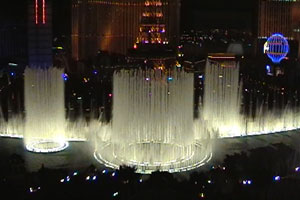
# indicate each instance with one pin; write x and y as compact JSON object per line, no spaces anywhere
{"x":201,"y":14}
{"x":196,"y":14}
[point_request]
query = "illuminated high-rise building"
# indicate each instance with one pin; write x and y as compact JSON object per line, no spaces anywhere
{"x":40,"y":33}
{"x":152,"y":28}
{"x":275,"y":16}
{"x":113,"y":25}
{"x":296,"y":23}
{"x":152,"y":46}
{"x":279,"y":16}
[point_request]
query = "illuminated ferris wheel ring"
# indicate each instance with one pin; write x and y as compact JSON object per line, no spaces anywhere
{"x":47,"y":146}
{"x":277,"y":47}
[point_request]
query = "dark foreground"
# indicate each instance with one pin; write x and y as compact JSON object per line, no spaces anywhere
{"x":266,"y":172}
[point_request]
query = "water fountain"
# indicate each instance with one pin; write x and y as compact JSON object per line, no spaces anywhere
{"x":152,"y":124}
{"x":45,"y":123}
{"x":222,"y":98}
{"x":152,"y":127}
{"x":221,"y":110}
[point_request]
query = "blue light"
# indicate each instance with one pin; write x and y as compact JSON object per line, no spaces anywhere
{"x":276,"y":47}
{"x":12,"y":73}
{"x":95,"y":72}
{"x":65,"y":76}
{"x":276,"y":178}
{"x":170,"y":78}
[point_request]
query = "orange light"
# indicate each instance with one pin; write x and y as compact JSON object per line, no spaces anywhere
{"x":44,"y":12}
{"x":36,"y":12}
{"x":221,"y":57}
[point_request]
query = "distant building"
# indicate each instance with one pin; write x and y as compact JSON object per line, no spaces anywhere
{"x":113,"y":25}
{"x":275,"y":16}
{"x":151,"y":47}
{"x":13,"y":43}
{"x":40,"y":33}
{"x":279,"y":16}
{"x":296,"y":23}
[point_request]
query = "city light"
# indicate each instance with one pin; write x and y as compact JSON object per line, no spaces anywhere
{"x":170,"y":78}
{"x":65,"y":76}
{"x":115,"y":194}
{"x":44,"y":12}
{"x":36,"y":12}
{"x":12,"y":64}
{"x":95,"y":72}
{"x":247,"y":182}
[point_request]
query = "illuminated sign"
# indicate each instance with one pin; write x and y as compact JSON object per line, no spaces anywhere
{"x":276,"y":47}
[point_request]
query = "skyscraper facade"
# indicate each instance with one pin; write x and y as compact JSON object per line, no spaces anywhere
{"x":296,"y":23}
{"x":40,"y":33}
{"x":113,"y":25}
{"x":152,"y":48}
{"x":279,"y":16}
{"x":275,"y":16}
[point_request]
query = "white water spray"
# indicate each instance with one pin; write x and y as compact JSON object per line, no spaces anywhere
{"x":152,"y":125}
{"x":44,"y":108}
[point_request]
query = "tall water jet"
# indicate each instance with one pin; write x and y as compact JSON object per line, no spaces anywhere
{"x":45,"y":112}
{"x":222,"y":97}
{"x":152,"y":124}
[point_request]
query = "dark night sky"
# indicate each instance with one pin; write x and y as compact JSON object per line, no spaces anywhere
{"x":195,"y":14}
{"x":239,"y":14}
